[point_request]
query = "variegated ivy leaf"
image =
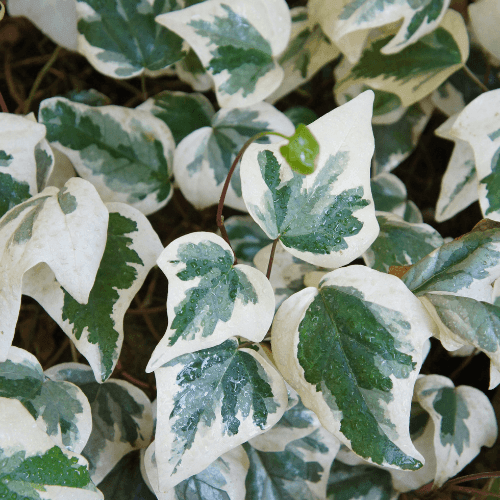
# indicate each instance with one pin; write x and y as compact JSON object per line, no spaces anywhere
{"x":308,"y":50}
{"x":122,"y":419}
{"x":65,"y":229}
{"x":25,"y":159}
{"x":190,"y":70}
{"x":90,"y":97}
{"x":55,"y":18}
{"x":183,"y":113}
{"x":483,"y":135}
{"x":352,"y":350}
{"x":418,"y":69}
{"x":223,"y":479}
{"x":346,"y":18}
{"x":237,"y":43}
{"x":326,"y":218}
{"x":400,"y":243}
{"x":59,"y":408}
{"x":121,"y":39}
{"x":96,"y":327}
{"x":287,"y":274}
{"x":126,"y":153}
{"x":464,"y":420}
{"x":209,"y":402}
{"x":210,"y":299}
{"x":359,"y":482}
{"x":296,"y":423}
{"x":32,"y":467}
{"x":465,"y":321}
{"x":448,"y":99}
{"x":246,"y":237}
{"x":466,"y":267}
{"x":202,"y":160}
{"x":484,"y":19}
{"x":459,"y":186}
{"x":300,"y":471}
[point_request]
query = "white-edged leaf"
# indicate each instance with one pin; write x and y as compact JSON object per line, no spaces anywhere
{"x":203,"y":159}
{"x":326,"y":218}
{"x":237,"y":42}
{"x":484,"y":18}
{"x":183,"y":113}
{"x":190,"y":70}
{"x":418,"y":69}
{"x":121,"y":39}
{"x":448,"y":99}
{"x":352,"y":350}
{"x":459,"y":186}
{"x":223,"y":479}
{"x":209,"y":402}
{"x":479,"y":125}
{"x":31,"y":463}
{"x":400,"y":243}
{"x":55,"y":18}
{"x":21,"y":151}
{"x":122,"y":418}
{"x":308,"y":50}
{"x":210,"y":299}
{"x":300,"y":471}
{"x":464,"y":420}
{"x":126,"y":153}
{"x":59,"y":408}
{"x":96,"y":327}
{"x":65,"y":229}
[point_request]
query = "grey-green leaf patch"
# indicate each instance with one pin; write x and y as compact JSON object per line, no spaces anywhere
{"x":299,"y":471}
{"x":59,"y":408}
{"x":209,"y":298}
{"x":191,"y":71}
{"x":41,"y":230}
{"x":127,"y":154}
{"x":32,"y":464}
{"x":121,"y":39}
{"x":183,"y":113}
{"x":203,"y":159}
{"x":419,"y":68}
{"x":400,"y":243}
{"x":122,"y":418}
{"x":326,"y":218}
{"x":209,"y":402}
{"x":464,"y":420}
{"x":91,"y":97}
{"x":352,"y":350}
{"x":96,"y":327}
{"x":236,"y":44}
{"x":466,"y":267}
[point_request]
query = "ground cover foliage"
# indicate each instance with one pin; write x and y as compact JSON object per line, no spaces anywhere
{"x":143,"y":356}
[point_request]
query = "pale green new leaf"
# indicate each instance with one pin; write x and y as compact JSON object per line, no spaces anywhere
{"x":418,"y":69}
{"x":400,"y":243}
{"x":96,"y":327}
{"x":326,"y":218}
{"x":126,"y":153}
{"x":64,"y":229}
{"x":466,"y":267}
{"x":464,"y":420}
{"x":183,"y":113}
{"x":25,"y":159}
{"x":300,"y":471}
{"x":122,"y":418}
{"x":478,"y":124}
{"x":59,"y":408}
{"x":121,"y":39}
{"x":32,"y":467}
{"x":352,"y":350}
{"x":203,"y":159}
{"x":237,"y":43}
{"x":210,"y":299}
{"x":459,"y":186}
{"x":209,"y":402}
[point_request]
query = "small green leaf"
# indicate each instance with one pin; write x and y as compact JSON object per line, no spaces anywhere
{"x":301,"y":153}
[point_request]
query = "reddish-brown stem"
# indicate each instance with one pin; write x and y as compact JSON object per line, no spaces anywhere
{"x":219,"y":218}
{"x":473,"y":477}
{"x":474,"y":491}
{"x":271,"y":257}
{"x":4,"y":107}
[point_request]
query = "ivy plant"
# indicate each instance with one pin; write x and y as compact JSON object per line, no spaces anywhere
{"x":288,"y":370}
